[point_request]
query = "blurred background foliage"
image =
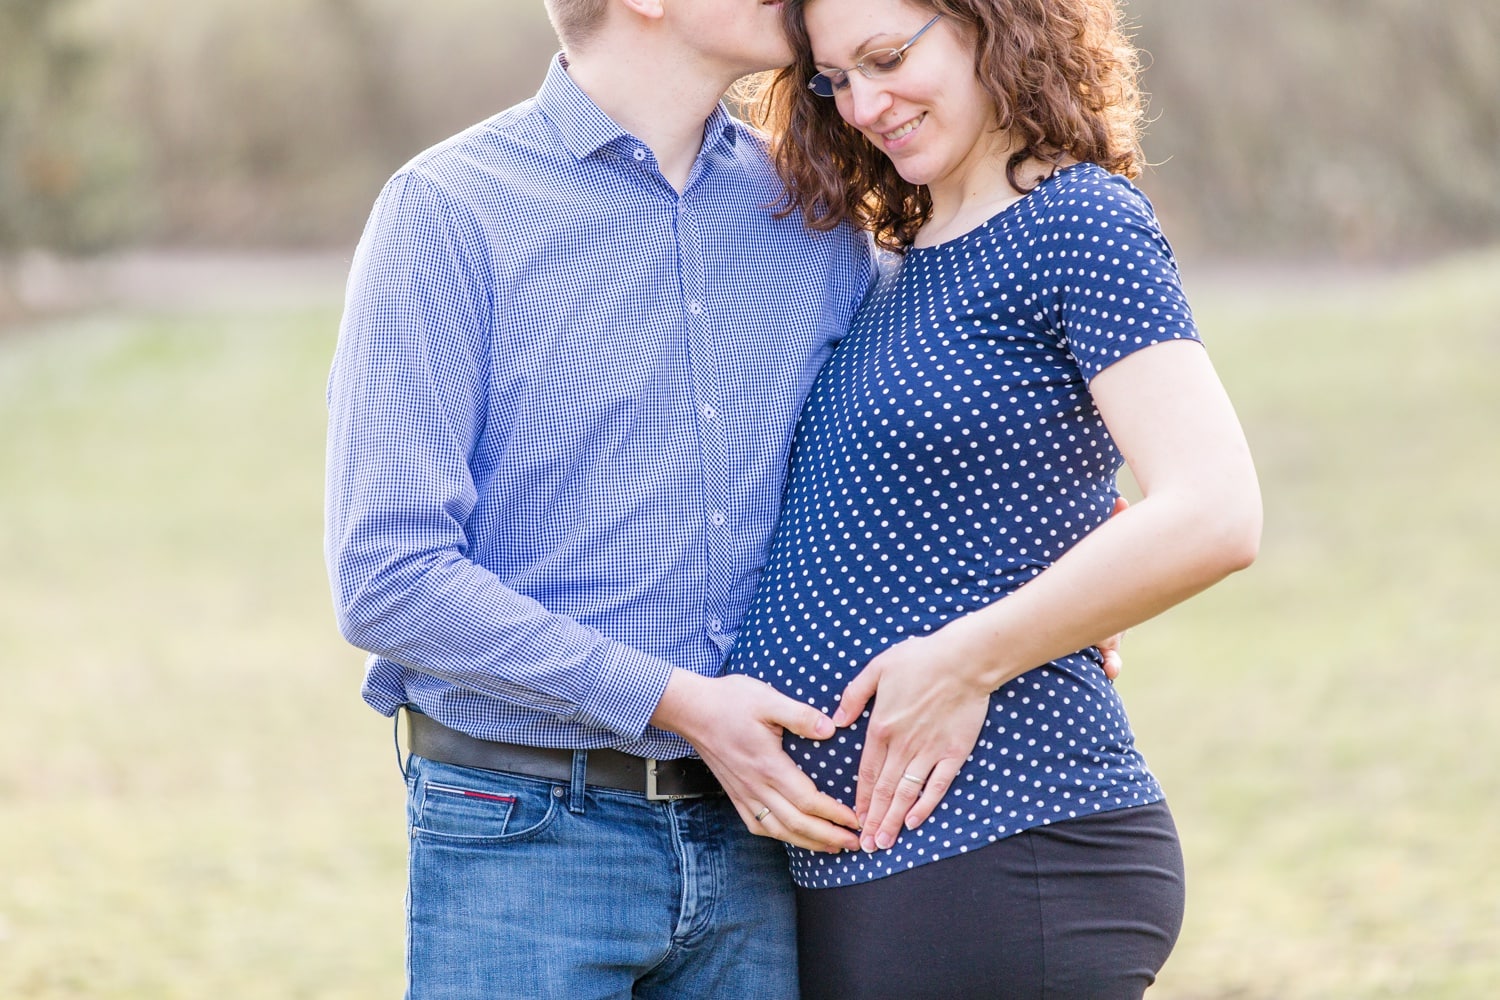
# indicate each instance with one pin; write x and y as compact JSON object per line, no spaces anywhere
{"x":226,"y":124}
{"x":1360,"y":129}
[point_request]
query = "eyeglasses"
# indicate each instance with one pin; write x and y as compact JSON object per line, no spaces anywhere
{"x":871,"y":64}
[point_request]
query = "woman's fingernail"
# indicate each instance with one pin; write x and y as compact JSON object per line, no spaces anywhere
{"x":884,"y":840}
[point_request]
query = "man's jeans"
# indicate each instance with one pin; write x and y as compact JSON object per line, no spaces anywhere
{"x":527,"y":888}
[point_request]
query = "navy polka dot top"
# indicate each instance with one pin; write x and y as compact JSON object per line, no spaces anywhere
{"x":950,"y":452}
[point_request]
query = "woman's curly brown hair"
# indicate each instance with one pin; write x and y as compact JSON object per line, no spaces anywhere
{"x":1063,"y":76}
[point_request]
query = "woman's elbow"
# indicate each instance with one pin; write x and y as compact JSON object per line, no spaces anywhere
{"x":1242,"y":552}
{"x":1237,"y":540}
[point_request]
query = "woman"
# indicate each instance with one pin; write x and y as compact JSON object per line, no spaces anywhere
{"x":946,"y":557}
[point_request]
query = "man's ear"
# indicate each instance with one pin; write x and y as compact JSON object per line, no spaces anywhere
{"x":652,"y":9}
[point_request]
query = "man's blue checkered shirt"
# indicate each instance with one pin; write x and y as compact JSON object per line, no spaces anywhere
{"x":560,"y":411}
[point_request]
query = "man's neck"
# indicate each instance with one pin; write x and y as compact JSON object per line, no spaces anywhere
{"x":662,"y":102}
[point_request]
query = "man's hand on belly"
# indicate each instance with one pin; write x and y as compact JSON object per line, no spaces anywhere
{"x":736,"y":723}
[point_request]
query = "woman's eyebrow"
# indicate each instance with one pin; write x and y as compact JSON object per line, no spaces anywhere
{"x":859,"y":49}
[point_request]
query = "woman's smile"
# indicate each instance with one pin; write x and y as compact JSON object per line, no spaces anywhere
{"x":902,"y":131}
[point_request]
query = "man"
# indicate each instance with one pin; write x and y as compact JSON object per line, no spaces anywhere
{"x":574,"y":348}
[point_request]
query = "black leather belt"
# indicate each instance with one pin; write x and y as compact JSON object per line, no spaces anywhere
{"x":684,"y":778}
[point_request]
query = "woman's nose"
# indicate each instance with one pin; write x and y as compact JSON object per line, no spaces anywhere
{"x":865,"y":101}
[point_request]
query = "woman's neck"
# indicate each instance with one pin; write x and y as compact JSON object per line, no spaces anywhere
{"x":962,"y":204}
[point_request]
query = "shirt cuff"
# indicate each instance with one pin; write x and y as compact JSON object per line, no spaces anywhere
{"x":626,"y":693}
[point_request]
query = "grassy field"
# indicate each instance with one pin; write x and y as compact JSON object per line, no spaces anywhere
{"x":195,"y":804}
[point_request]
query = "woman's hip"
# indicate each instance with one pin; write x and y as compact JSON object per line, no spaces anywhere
{"x":1083,"y":908}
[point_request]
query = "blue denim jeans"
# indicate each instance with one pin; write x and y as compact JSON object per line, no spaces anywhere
{"x":527,"y":888}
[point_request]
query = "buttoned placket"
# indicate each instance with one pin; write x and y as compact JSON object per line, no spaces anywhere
{"x":713,"y":436}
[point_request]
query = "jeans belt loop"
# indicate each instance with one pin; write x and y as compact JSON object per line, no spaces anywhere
{"x":576,"y":787}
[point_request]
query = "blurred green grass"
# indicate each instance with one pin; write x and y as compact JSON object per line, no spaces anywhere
{"x":194,"y":802}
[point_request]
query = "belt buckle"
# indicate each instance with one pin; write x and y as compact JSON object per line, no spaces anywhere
{"x":654,"y":796}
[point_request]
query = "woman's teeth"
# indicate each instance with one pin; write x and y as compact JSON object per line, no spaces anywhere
{"x":904,"y":130}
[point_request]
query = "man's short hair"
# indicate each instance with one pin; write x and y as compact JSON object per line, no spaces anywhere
{"x":575,"y":20}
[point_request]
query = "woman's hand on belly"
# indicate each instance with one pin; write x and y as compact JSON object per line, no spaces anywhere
{"x":927,"y":715}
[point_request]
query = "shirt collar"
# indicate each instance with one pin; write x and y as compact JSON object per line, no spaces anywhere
{"x":585,"y":129}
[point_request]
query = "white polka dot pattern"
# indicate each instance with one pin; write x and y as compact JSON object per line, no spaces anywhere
{"x":950,"y":452}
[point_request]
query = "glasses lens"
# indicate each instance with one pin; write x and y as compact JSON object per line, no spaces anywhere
{"x":825,"y":84}
{"x":881,"y":61}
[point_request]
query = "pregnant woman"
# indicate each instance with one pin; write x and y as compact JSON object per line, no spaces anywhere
{"x":946,"y":558}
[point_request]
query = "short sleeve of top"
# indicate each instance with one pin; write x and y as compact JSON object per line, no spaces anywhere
{"x":949,"y":453}
{"x":1104,"y":271}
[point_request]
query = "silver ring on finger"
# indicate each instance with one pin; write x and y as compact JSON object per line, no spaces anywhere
{"x":764,"y":812}
{"x":913,"y":778}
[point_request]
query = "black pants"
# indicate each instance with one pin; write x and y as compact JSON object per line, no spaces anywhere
{"x":1085,"y":909}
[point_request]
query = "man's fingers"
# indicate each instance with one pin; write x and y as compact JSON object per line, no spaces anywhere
{"x":1112,"y":663}
{"x":812,"y":821}
{"x":800,"y":797}
{"x":810,"y":802}
{"x":779,"y":800}
{"x":803,"y":831}
{"x":1111,"y":647}
{"x":793,"y":715}
{"x":813,"y":833}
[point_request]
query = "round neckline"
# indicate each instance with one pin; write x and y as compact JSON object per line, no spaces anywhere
{"x":988,"y":223}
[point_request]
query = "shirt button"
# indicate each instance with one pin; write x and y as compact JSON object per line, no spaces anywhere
{"x":708,"y":411}
{"x":717,"y":518}
{"x":640,"y":154}
{"x":695,"y":307}
{"x":715,"y":624}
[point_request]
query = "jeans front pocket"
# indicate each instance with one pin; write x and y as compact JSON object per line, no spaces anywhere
{"x":473,"y":806}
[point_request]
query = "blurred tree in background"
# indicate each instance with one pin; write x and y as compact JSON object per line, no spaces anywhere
{"x":1366,"y":129}
{"x":60,"y":160}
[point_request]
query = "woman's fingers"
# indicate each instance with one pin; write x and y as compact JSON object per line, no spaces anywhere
{"x":857,"y":695}
{"x":927,"y":710}
{"x":938,"y":783}
{"x":896,"y":791}
{"x":871,"y":763}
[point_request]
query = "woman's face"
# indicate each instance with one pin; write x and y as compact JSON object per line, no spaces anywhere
{"x":929,"y":115}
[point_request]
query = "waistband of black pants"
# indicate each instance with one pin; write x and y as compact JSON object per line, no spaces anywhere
{"x":683,"y":778}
